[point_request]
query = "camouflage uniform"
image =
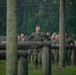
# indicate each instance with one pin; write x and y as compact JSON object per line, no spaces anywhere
{"x":53,"y":43}
{"x":56,"y":52}
{"x":68,"y":41}
{"x":29,"y":54}
{"x":37,"y":37}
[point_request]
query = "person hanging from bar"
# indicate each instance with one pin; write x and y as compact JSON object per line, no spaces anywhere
{"x":38,"y":36}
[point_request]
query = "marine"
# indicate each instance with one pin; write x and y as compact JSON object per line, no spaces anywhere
{"x":37,"y":36}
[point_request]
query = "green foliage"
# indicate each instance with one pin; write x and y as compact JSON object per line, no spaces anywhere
{"x":2,"y":17}
{"x":45,"y":16}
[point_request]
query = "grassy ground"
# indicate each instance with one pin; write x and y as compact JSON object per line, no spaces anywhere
{"x":2,"y":67}
{"x":69,"y":70}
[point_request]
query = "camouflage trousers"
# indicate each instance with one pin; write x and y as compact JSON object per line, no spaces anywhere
{"x":40,"y":57}
{"x":68,"y":56}
{"x":37,"y":56}
{"x":29,"y":54}
{"x":55,"y":55}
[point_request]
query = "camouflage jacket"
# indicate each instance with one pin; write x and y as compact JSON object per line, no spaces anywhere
{"x":38,"y":36}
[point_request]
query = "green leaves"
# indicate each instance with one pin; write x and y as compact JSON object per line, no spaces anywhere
{"x":45,"y":16}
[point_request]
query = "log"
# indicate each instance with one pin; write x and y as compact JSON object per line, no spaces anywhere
{"x":12,"y":47}
{"x":46,"y":61}
{"x":66,"y":46}
{"x":62,"y":35}
{"x":34,"y":45}
{"x":23,"y":65}
{"x":73,"y":57}
{"x":20,"y":53}
{"x":27,"y":45}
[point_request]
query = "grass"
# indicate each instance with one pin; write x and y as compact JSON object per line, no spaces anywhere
{"x":69,"y":70}
{"x":2,"y":67}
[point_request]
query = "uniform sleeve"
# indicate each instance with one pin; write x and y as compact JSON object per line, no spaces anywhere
{"x":47,"y":37}
{"x":72,"y":41}
{"x":31,"y":36}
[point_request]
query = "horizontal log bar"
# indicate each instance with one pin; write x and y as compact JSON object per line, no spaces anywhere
{"x":20,"y":53}
{"x":27,"y":45}
{"x":35,"y":45}
{"x":66,"y":46}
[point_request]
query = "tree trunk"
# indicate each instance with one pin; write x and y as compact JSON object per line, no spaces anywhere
{"x":11,"y":52}
{"x":62,"y":35}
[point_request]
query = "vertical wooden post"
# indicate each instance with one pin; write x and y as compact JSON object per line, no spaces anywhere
{"x":62,"y":35}
{"x":11,"y":52}
{"x":23,"y":65}
{"x":46,"y":61}
{"x":73,"y":57}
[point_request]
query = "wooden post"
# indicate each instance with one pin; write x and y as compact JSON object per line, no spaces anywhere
{"x":46,"y":60}
{"x":23,"y":65}
{"x":11,"y":52}
{"x":62,"y":35}
{"x":73,"y":57}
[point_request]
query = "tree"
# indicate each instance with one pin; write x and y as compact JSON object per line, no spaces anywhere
{"x":32,"y":16}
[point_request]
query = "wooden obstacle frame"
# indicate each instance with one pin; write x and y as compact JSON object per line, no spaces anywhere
{"x":46,"y":55}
